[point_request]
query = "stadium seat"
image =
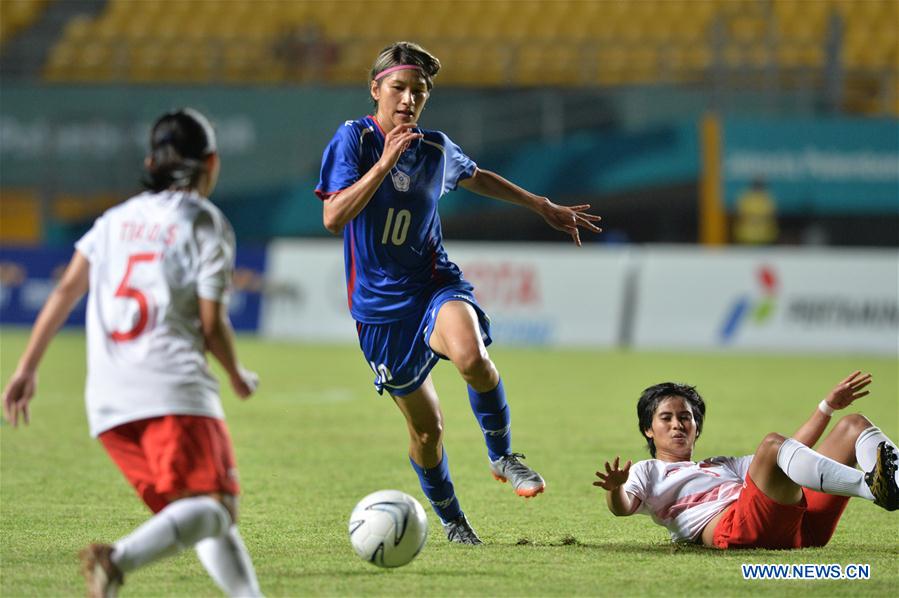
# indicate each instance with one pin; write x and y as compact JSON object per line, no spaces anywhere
{"x":352,"y":64}
{"x":147,"y":63}
{"x":60,"y":64}
{"x":499,"y":42}
{"x":20,"y":212}
{"x":78,"y":29}
{"x":548,"y":65}
{"x":95,"y":61}
{"x":461,"y":63}
{"x":17,"y":15}
{"x":611,"y":63}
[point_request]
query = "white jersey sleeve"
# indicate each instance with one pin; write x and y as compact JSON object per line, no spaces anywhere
{"x":151,"y":258}
{"x":87,"y":245}
{"x":683,"y":497}
{"x":215,"y":243}
{"x":638,"y":480}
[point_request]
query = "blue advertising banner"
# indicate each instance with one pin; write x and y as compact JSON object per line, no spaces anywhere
{"x":249,"y":285}
{"x":814,"y":166}
{"x":28,"y":275}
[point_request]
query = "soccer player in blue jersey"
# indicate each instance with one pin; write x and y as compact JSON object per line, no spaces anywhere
{"x":381,"y":179}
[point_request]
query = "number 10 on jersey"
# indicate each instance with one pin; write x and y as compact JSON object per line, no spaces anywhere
{"x":396,"y":229}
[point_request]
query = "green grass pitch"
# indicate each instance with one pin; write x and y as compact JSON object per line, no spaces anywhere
{"x":317,"y":438}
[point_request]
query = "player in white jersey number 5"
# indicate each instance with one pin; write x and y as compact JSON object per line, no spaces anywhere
{"x":786,"y":495}
{"x":158,"y":271}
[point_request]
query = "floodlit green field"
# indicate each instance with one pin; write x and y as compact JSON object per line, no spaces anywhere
{"x":317,"y":438}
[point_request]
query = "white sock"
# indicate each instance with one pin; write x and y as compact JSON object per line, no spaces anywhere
{"x":228,"y":563}
{"x":815,"y":471}
{"x":180,"y":525}
{"x":866,"y":448}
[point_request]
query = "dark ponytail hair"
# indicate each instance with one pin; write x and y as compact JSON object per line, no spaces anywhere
{"x":180,"y":142}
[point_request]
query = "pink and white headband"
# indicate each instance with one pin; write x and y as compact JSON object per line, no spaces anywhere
{"x":399,"y":67}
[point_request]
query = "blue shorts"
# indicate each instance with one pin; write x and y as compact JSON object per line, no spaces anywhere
{"x":399,"y":353}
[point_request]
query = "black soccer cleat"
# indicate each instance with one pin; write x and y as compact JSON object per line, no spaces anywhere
{"x":882,"y":479}
{"x":459,"y":531}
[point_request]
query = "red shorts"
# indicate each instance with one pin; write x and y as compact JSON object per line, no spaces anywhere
{"x":166,"y":458}
{"x":757,"y":521}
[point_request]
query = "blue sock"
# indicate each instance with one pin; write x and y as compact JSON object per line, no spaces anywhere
{"x":438,"y":487}
{"x":492,"y":412}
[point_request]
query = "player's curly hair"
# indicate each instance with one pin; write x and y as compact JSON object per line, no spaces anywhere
{"x":654,"y":395}
{"x":180,"y":141}
{"x":406,"y":53}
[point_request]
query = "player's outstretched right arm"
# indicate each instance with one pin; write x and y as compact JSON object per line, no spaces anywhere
{"x":219,"y":339}
{"x":21,"y":387}
{"x":612,"y":481}
{"x":341,"y":207}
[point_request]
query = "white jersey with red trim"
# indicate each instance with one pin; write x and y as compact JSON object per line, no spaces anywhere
{"x":151,"y":257}
{"x":685,"y":496}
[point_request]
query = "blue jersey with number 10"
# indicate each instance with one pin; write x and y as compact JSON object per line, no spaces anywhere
{"x":393,"y":249}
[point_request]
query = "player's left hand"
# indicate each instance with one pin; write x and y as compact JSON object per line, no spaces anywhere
{"x":244,"y":383}
{"x":16,"y":397}
{"x":569,"y":219}
{"x":848,"y":390}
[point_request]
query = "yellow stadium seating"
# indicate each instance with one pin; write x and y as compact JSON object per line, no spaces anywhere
{"x":20,"y":217}
{"x":17,"y":15}
{"x":491,"y":42}
{"x":548,"y":65}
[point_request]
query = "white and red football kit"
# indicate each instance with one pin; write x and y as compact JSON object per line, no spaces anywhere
{"x":150,"y":258}
{"x":150,"y":395}
{"x":683,"y":497}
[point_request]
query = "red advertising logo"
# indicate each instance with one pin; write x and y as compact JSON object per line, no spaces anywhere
{"x":504,"y":284}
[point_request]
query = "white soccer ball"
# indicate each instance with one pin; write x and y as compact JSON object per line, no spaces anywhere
{"x":388,"y":528}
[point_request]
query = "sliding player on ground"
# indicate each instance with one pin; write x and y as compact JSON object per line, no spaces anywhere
{"x":786,"y":495}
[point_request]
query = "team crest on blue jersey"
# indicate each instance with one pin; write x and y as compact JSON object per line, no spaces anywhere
{"x":401,"y":180}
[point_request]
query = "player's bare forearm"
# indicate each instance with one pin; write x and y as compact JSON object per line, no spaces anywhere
{"x":620,"y":503}
{"x":219,"y":336}
{"x":56,"y":310}
{"x":490,"y":184}
{"x":567,"y":219}
{"x":844,"y":394}
{"x":810,"y":432}
{"x":21,"y":387}
{"x":345,"y":205}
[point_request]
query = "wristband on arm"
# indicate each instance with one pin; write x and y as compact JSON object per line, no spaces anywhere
{"x":824,"y":408}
